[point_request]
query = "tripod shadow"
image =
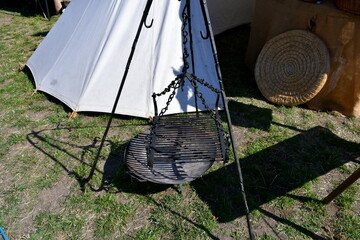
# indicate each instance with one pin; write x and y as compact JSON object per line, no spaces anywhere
{"x":72,"y":156}
{"x":51,"y":147}
{"x":114,"y":177}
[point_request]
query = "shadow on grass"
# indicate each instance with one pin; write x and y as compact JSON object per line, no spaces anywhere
{"x":50,"y":147}
{"x":27,"y":8}
{"x":114,"y":174}
{"x":291,"y":224}
{"x":75,"y":154}
{"x":268,"y":174}
{"x":183,"y":217}
{"x":237,"y":77}
{"x":40,"y":34}
{"x":274,"y":172}
{"x":250,"y":116}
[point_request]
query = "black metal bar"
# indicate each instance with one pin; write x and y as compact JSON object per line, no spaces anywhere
{"x":150,"y":159}
{"x":155,"y":105}
{"x":206,"y":23}
{"x":143,"y":19}
{"x":220,"y":133}
{"x":42,"y":10}
{"x":164,"y":161}
{"x":161,"y":154}
{"x":188,"y":2}
{"x":213,"y":46}
{"x":47,"y":10}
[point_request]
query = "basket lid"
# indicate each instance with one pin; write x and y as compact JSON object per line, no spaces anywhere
{"x":292,"y":67}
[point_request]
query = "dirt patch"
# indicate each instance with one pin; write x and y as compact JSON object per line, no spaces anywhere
{"x":4,"y":20}
{"x":269,"y":226}
{"x":233,"y":230}
{"x":39,"y":116}
{"x":53,"y":197}
{"x":139,"y":221}
{"x":48,"y":199}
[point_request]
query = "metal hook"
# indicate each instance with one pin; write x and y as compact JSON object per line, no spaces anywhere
{"x":206,"y":21}
{"x":206,"y":36}
{"x":150,"y":25}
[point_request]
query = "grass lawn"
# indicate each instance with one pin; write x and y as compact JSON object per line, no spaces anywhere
{"x":292,"y":157}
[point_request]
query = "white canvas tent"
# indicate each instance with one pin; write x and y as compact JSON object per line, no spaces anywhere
{"x":83,"y":58}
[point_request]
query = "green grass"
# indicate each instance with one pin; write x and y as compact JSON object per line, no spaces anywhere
{"x":291,"y":159}
{"x":347,"y":225}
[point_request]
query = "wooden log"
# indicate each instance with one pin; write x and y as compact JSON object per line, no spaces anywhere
{"x":350,"y":180}
{"x":58,"y":5}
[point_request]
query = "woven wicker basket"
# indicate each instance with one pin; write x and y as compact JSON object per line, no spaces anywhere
{"x":350,"y":6}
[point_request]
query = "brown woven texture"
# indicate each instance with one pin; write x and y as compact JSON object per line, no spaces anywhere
{"x":292,"y":68}
{"x":351,"y":6}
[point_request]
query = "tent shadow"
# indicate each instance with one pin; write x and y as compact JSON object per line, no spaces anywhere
{"x":27,"y":72}
{"x":274,"y":172}
{"x":250,"y":116}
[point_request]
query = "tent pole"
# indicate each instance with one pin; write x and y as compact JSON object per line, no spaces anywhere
{"x":188,"y":4}
{"x":142,"y":22}
{"x":224,"y":99}
{"x":188,"y":9}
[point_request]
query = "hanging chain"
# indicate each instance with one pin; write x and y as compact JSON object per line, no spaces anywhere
{"x":185,"y":35}
{"x":175,"y":84}
{"x":206,"y":84}
{"x":178,"y":82}
{"x":193,"y":79}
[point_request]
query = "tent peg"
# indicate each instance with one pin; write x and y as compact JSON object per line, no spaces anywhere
{"x":72,"y":116}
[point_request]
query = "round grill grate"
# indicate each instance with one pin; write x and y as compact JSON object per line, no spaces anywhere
{"x":185,"y":148}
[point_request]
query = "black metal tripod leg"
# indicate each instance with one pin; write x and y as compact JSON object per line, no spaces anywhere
{"x":142,"y":23}
{"x":224,"y":99}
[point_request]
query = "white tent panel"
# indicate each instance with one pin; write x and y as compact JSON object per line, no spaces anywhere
{"x":83,"y":58}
